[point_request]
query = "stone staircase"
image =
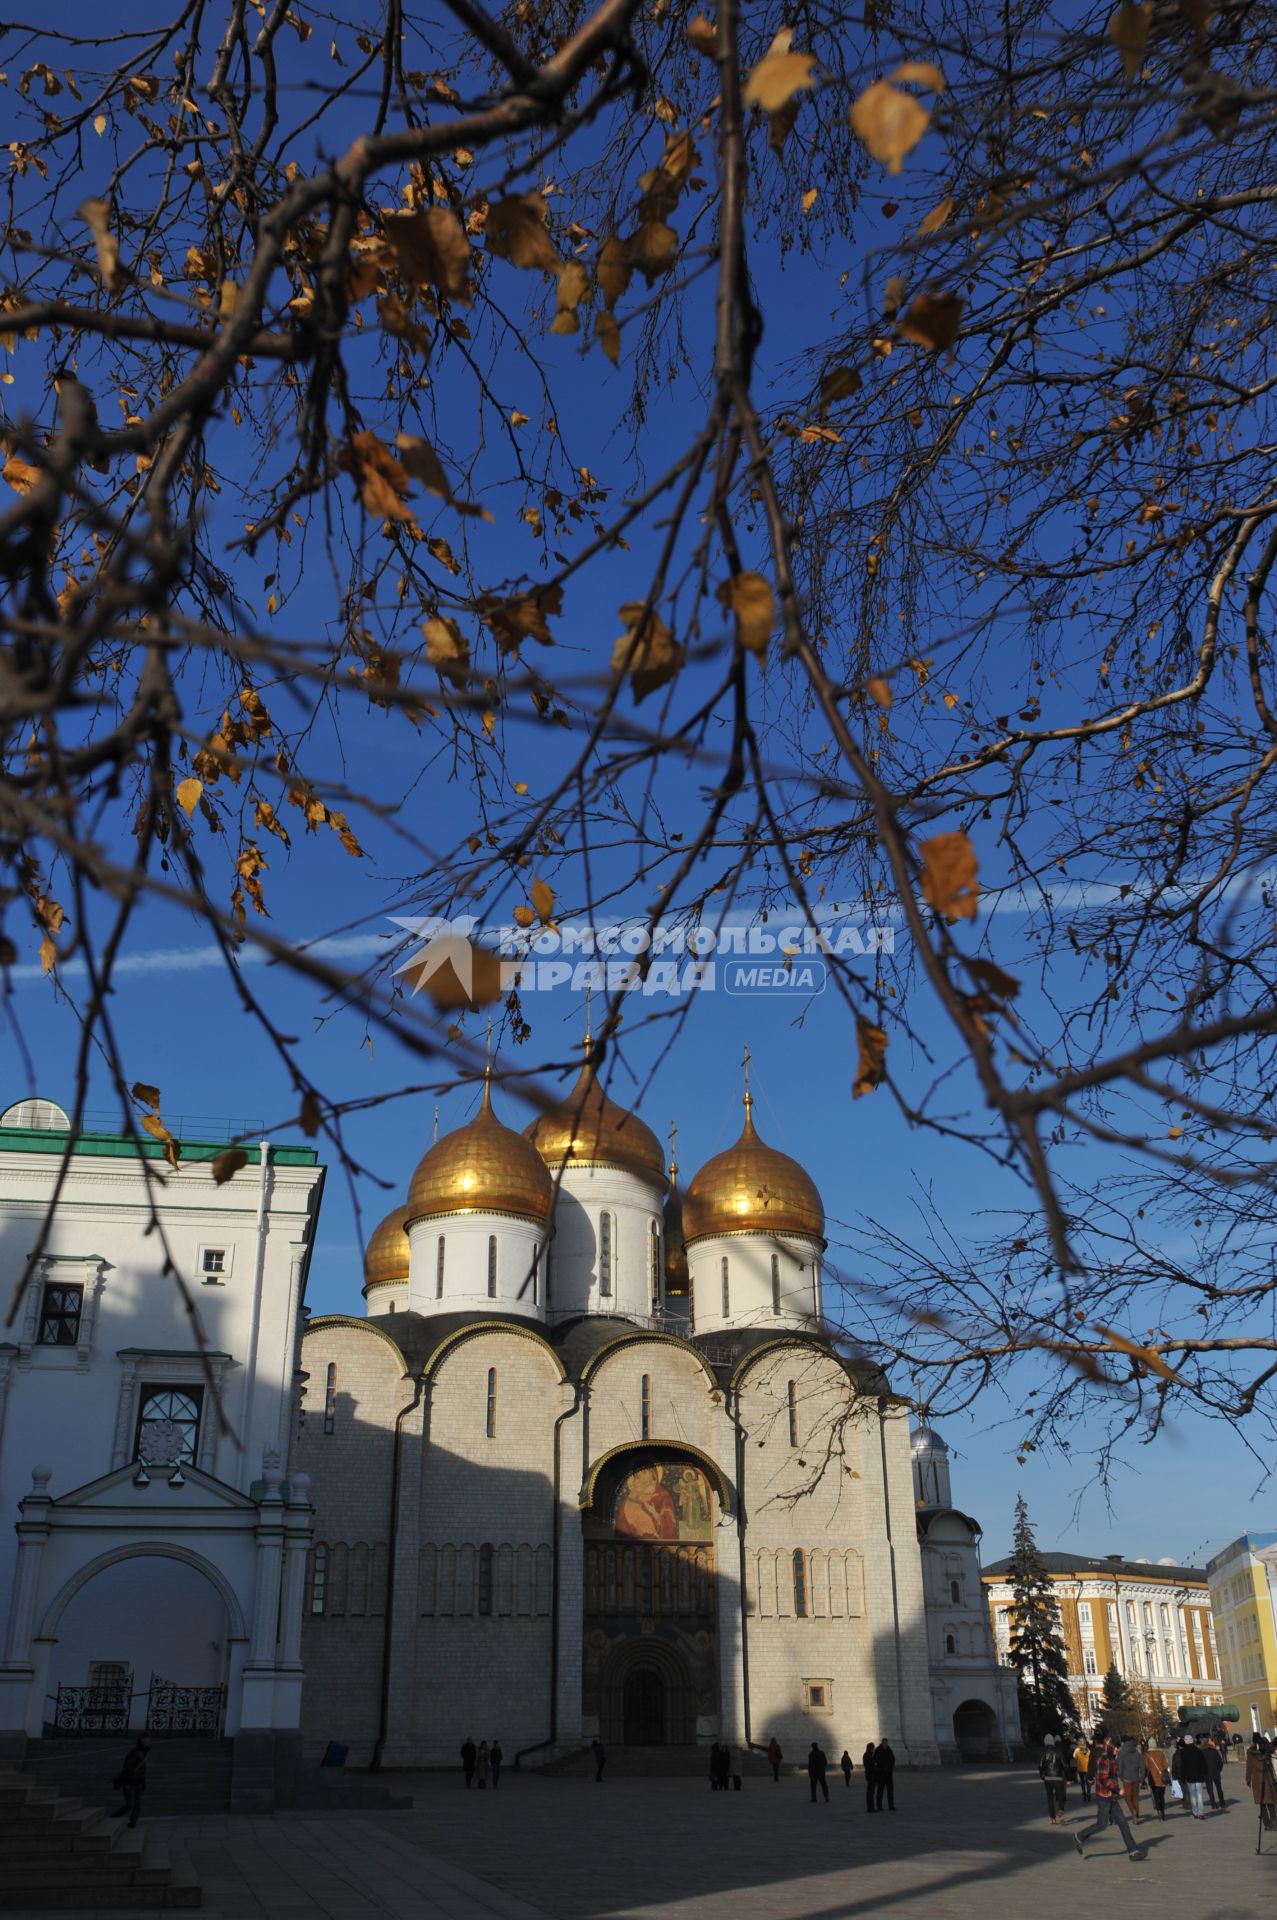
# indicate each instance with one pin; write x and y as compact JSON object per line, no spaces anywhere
{"x":635,"y":1763}
{"x":57,"y":1854}
{"x":182,"y":1776}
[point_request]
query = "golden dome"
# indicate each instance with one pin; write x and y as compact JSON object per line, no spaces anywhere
{"x":386,"y":1255}
{"x":752,"y":1188}
{"x":484,"y":1167}
{"x":587,"y":1129}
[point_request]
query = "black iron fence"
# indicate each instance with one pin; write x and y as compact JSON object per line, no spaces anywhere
{"x":106,"y":1707}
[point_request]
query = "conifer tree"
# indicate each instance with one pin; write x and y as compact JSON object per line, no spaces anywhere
{"x":1037,"y":1638}
{"x":1116,"y":1694}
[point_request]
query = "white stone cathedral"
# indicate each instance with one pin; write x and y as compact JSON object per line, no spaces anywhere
{"x":593,"y":1465}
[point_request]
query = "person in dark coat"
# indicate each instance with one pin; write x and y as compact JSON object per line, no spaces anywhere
{"x":481,"y":1764}
{"x":867,"y":1762}
{"x":847,"y":1764}
{"x":1214,"y":1774}
{"x":884,"y":1776}
{"x":495,"y":1757}
{"x":817,"y":1767}
{"x":1261,"y":1780}
{"x":131,"y":1780}
{"x":469,"y":1755}
{"x":715,"y":1780}
{"x":600,"y":1760}
{"x":1192,"y":1775}
{"x":774,"y":1756}
{"x":1051,"y":1772}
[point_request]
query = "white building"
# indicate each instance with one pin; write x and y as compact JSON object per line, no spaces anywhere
{"x":153,"y":1552}
{"x":594,"y":1465}
{"x":973,"y":1697}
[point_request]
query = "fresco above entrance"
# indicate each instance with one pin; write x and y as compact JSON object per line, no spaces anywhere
{"x":658,"y":1500}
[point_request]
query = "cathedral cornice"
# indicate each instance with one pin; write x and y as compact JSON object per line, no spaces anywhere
{"x":325,"y":1320}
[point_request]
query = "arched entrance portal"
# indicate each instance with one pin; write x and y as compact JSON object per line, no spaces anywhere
{"x":975,"y":1728}
{"x":646,"y":1696}
{"x":650,"y":1606}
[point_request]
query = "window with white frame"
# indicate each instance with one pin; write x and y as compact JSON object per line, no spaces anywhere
{"x":60,"y":1310}
{"x":605,"y":1255}
{"x":214,"y":1265}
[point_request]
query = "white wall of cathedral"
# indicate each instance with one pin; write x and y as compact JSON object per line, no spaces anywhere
{"x":607,"y":1253}
{"x":834,"y":1615}
{"x":755,"y":1280}
{"x":477,"y":1262}
{"x":75,"y":1407}
{"x":388,"y":1296}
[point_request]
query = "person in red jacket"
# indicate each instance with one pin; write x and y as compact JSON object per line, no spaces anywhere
{"x":1108,"y":1801}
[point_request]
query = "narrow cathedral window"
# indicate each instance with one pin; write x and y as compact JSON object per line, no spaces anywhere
{"x":491,"y":1425}
{"x":492,"y":1266}
{"x":775,"y":1283}
{"x":485,"y":1580}
{"x":727,"y":1298}
{"x":318,"y":1579}
{"x":791,"y":1396}
{"x":800,"y":1584}
{"x":646,"y":1410}
{"x":955,"y":1593}
{"x":536,"y":1268}
{"x":549,"y":1272}
{"x":330,"y":1398}
{"x":656,"y":1267}
{"x":949,"y":1646}
{"x":439,"y":1270}
{"x":605,"y":1254}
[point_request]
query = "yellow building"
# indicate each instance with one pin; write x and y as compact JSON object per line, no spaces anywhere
{"x":1151,"y":1620}
{"x":1243,"y":1592}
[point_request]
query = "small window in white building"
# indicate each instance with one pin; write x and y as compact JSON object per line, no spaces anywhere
{"x":492,"y":1266}
{"x":439,"y":1270}
{"x":549,"y":1272}
{"x":800,"y":1584}
{"x":536,"y":1272}
{"x":727,"y":1289}
{"x":483,"y":1597}
{"x":605,"y":1255}
{"x":950,"y":1645}
{"x":645,"y":1408}
{"x":60,"y":1311}
{"x":214,"y":1265}
{"x":318,"y":1579}
{"x":168,"y":1424}
{"x":656,"y":1266}
{"x":791,"y":1401}
{"x":955,"y":1592}
{"x":490,"y":1423}
{"x":330,"y":1398}
{"x":818,"y":1696}
{"x":775,"y":1283}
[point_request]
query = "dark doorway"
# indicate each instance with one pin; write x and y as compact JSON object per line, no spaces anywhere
{"x":975,"y":1730}
{"x":644,"y":1708}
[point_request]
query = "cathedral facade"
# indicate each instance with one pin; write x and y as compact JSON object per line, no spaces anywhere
{"x":591,"y":1464}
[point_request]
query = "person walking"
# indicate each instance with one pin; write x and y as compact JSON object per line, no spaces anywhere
{"x":131,"y":1781}
{"x":847,"y":1764}
{"x":1157,"y":1771}
{"x":1082,"y":1762}
{"x":600,"y":1760}
{"x":482,"y":1764}
{"x":1108,"y":1803}
{"x":1051,"y":1773}
{"x":1130,"y":1771}
{"x":1261,"y":1781}
{"x":1214,"y":1774}
{"x":1193,"y":1775}
{"x":469,"y":1754}
{"x":817,"y":1767}
{"x":774,"y":1757}
{"x":495,"y":1757}
{"x":871,"y":1781}
{"x":884,"y":1775}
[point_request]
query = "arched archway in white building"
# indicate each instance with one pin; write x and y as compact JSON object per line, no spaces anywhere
{"x":143,"y":1636}
{"x":975,"y":1729}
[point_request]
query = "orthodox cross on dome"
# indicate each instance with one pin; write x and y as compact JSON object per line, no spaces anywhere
{"x":746,"y":1057}
{"x":673,"y":1150}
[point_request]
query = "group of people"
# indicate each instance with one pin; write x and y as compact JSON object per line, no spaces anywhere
{"x":1112,"y":1768}
{"x":726,"y":1767}
{"x":878,"y":1764}
{"x":482,"y":1763}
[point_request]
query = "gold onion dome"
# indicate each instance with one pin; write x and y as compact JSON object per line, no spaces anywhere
{"x":484,"y":1167}
{"x":386,"y":1255}
{"x":752,"y":1188}
{"x":586,"y":1129}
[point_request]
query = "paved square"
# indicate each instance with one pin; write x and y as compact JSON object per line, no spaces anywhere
{"x":968,"y":1845}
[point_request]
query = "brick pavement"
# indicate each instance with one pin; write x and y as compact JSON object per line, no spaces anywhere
{"x":961,"y":1845}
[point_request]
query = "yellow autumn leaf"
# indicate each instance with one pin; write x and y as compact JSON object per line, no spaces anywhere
{"x":188,"y":794}
{"x":543,"y":900}
{"x":1128,"y":30}
{"x":608,"y":334}
{"x":871,"y":1065}
{"x":777,"y":78}
{"x":647,"y":650}
{"x":96,"y":215}
{"x":949,"y":883}
{"x":20,"y":474}
{"x":750,"y":598}
{"x":523,"y":916}
{"x":1147,"y":1356}
{"x":879,"y":690}
{"x":890,"y":123}
{"x":920,"y":73}
{"x":99,"y":123}
{"x":932,"y":320}
{"x":703,"y":35}
{"x":933,"y":221}
{"x":810,"y":198}
{"x":447,"y":649}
